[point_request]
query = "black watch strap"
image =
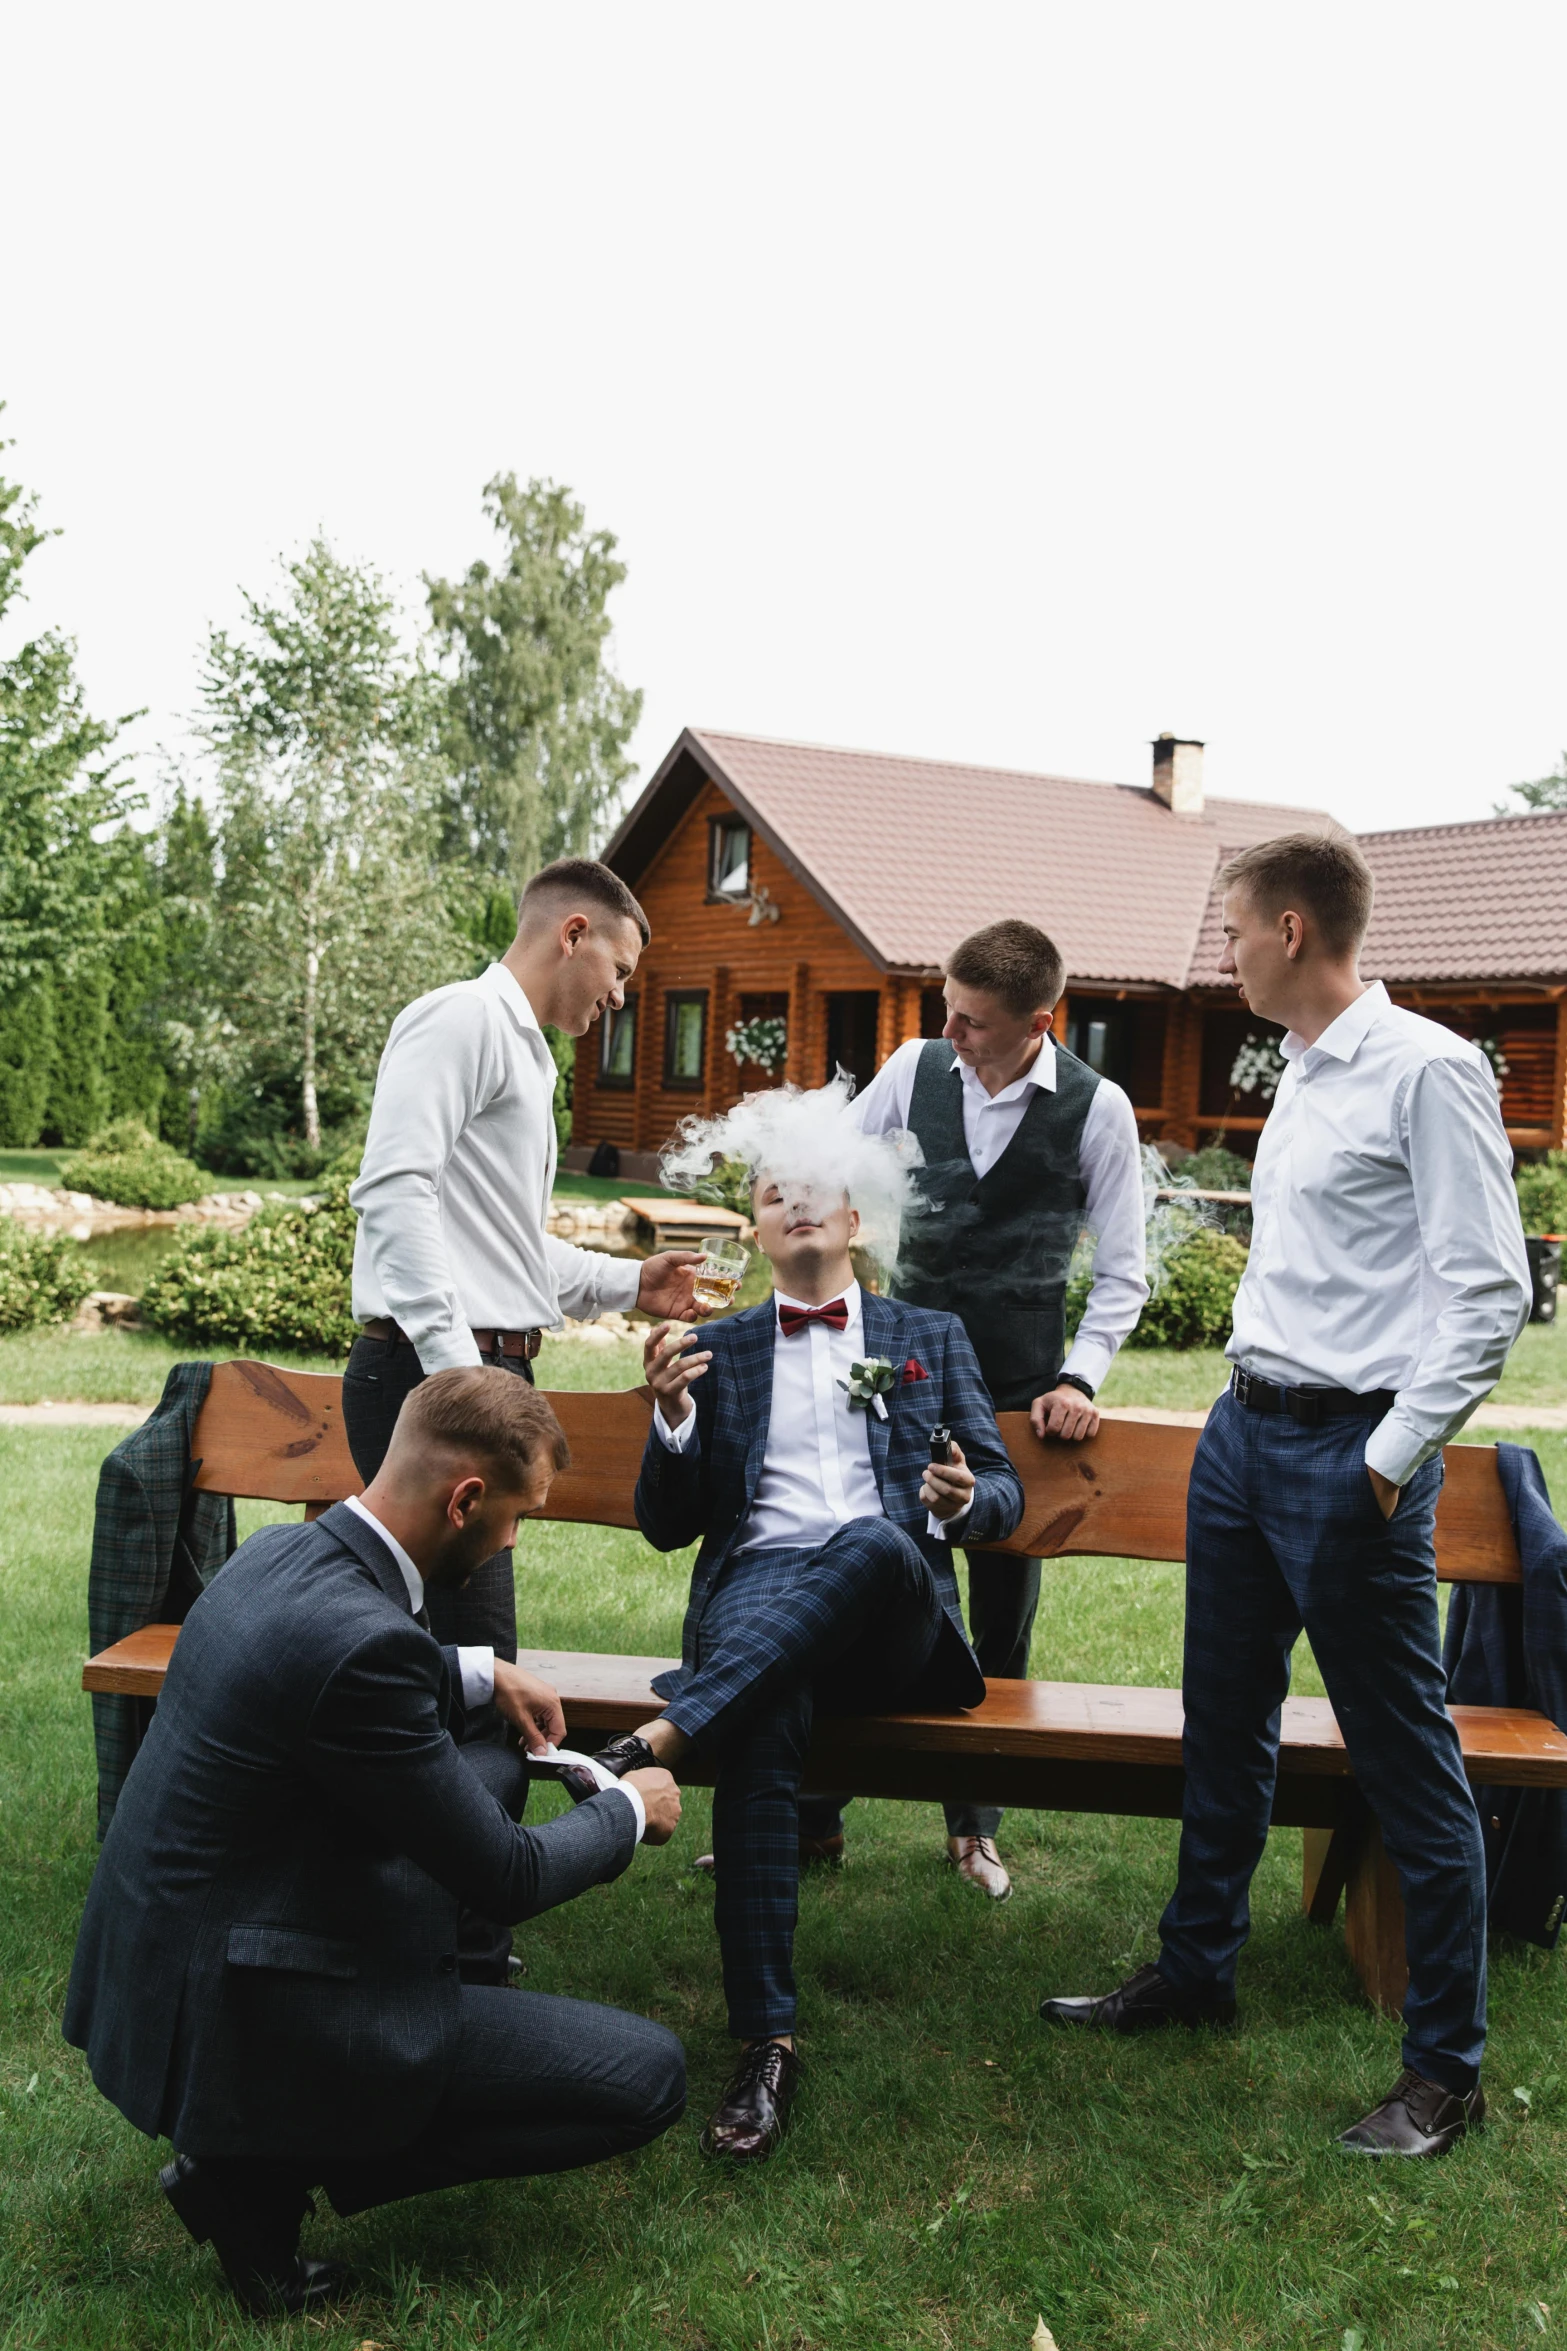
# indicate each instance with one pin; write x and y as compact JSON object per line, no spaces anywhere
{"x":1069,"y":1379}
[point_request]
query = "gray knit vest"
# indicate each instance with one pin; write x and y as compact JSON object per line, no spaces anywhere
{"x":995,"y":1249}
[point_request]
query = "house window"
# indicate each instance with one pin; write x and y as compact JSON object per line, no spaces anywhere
{"x":729,"y":859}
{"x":685,"y":1036}
{"x":618,"y":1045}
{"x":933,"y":1011}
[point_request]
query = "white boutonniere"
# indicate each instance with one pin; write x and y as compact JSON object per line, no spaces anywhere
{"x":867,"y":1383}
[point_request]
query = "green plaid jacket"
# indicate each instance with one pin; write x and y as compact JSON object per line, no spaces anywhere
{"x":155,"y":1546}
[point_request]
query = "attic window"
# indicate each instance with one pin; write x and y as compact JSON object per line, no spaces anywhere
{"x":729,"y":860}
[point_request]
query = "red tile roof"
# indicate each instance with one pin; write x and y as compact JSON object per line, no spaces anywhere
{"x":1483,"y":901}
{"x":911,"y":854}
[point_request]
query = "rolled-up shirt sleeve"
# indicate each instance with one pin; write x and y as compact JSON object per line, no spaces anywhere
{"x":433,"y":1079}
{"x":590,"y":1281}
{"x":1460,"y":1169}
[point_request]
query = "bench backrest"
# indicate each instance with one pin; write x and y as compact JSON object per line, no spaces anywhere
{"x":277,"y":1436}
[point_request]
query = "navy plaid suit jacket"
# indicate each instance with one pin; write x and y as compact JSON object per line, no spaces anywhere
{"x":705,"y":1492}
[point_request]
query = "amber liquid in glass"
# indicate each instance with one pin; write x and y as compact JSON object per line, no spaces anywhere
{"x":714,"y":1291}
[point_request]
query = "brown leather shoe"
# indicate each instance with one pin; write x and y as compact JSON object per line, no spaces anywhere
{"x":1417,"y":2118}
{"x":1141,"y":2005}
{"x":976,"y":1859}
{"x":750,"y":2119}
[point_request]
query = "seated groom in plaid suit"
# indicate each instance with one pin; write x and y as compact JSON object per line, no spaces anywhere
{"x":824,"y":1581}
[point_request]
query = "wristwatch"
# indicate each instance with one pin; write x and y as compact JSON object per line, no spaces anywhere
{"x":1069,"y":1379}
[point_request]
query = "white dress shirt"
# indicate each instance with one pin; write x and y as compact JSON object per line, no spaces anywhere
{"x":816,"y":1470}
{"x":1387,"y":1248}
{"x":1109,"y":1160}
{"x":476,"y":1665}
{"x":455,"y":1186}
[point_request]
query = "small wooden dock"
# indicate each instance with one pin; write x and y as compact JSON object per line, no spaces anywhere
{"x":681,"y":1224}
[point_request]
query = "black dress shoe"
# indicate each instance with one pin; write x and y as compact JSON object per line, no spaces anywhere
{"x":749,"y":2120}
{"x":1417,"y":2117}
{"x":258,"y":2249}
{"x":1144,"y":2003}
{"x":629,"y":1752}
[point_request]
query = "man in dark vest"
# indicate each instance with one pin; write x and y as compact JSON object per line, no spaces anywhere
{"x":1025,"y":1149}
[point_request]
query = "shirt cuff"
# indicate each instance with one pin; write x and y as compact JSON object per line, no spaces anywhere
{"x":947,"y":1530}
{"x":450,"y":1350}
{"x":1395,"y":1449}
{"x":477,"y":1668}
{"x":677,"y":1439}
{"x":634,"y":1799}
{"x":619,"y":1284}
{"x":1089,"y":1359}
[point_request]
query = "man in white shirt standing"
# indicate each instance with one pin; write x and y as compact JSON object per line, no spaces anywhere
{"x":1025,"y":1148}
{"x":453,"y":1264}
{"x":1387,"y":1281}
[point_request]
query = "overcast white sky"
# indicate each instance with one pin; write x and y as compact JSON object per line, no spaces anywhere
{"x":1000,"y":383}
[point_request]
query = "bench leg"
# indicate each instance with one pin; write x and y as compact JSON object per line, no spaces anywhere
{"x":1374,"y":1924}
{"x":1328,"y":1855}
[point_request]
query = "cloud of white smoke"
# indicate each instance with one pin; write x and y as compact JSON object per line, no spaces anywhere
{"x":805,"y":1138}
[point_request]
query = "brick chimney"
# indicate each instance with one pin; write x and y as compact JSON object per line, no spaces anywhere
{"x":1177,"y":775}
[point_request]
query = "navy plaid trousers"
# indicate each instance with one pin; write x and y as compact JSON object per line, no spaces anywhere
{"x":1284,"y":1531}
{"x":851,"y":1628}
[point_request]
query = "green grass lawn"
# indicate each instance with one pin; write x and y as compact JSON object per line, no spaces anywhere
{"x":955,"y":2170}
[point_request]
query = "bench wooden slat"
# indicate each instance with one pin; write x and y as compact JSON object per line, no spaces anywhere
{"x":1069,"y":1722}
{"x":278,"y":1436}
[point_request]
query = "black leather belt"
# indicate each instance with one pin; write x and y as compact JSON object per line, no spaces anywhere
{"x":1310,"y":1406}
{"x":519,"y":1345}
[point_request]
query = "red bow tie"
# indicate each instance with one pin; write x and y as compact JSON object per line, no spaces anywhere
{"x":793,"y":1319}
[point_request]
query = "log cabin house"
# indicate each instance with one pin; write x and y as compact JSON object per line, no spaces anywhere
{"x":822,"y":889}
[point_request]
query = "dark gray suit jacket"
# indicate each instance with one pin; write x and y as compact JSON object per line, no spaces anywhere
{"x":266,"y":1963}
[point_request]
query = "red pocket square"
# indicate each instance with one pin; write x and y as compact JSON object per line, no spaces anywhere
{"x":914,"y":1370}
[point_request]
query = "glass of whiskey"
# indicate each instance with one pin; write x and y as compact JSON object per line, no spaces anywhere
{"x":720,"y":1273}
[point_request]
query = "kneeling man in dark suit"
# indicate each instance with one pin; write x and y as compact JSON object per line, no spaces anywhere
{"x":267,"y":1967}
{"x":824,"y":1581}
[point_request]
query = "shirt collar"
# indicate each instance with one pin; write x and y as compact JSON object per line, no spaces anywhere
{"x":505,"y":984}
{"x":1343,"y":1037}
{"x":1041,"y":1073}
{"x":411,"y":1576}
{"x":850,"y":1294}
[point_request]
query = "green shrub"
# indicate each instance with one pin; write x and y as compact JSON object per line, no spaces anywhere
{"x":1215,"y":1169}
{"x":284,"y":1281}
{"x":43,"y":1277}
{"x":1542,"y":1194}
{"x":126,"y":1163}
{"x":1194,"y":1297}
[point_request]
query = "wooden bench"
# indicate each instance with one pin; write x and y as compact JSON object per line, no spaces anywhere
{"x":1056,"y":1746}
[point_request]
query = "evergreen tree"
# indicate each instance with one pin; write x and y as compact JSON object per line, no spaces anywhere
{"x":57,"y":790}
{"x":536,"y":724}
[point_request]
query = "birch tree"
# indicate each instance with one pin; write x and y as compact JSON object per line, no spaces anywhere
{"x":331,"y":911}
{"x":536,"y":723}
